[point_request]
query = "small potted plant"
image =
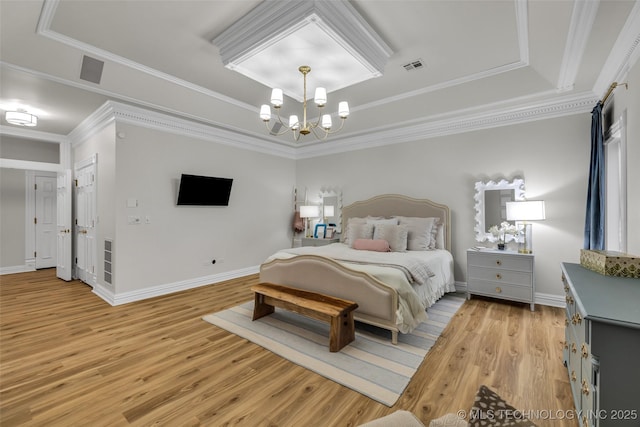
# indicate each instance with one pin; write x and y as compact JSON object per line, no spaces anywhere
{"x":501,"y":232}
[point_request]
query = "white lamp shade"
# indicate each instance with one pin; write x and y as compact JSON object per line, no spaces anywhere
{"x":329,"y":211}
{"x":530,"y":210}
{"x":326,"y":121}
{"x":309,"y":211}
{"x":276,"y":97}
{"x":21,"y":118}
{"x":294,"y":123}
{"x":321,"y":96}
{"x":343,"y":109}
{"x":265,"y":112}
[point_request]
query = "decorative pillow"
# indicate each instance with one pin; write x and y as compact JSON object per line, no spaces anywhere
{"x":358,"y":231}
{"x":396,"y":235}
{"x":351,"y":221}
{"x":372,"y":245}
{"x":422,"y":232}
{"x":440,"y":244}
{"x":376,"y":221}
{"x":489,"y":409}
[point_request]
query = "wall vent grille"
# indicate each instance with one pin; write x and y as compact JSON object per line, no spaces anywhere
{"x":108,"y":261}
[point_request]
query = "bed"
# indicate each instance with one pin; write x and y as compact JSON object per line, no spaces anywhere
{"x":392,"y":289}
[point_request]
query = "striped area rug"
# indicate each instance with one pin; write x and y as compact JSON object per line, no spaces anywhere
{"x":370,"y":365}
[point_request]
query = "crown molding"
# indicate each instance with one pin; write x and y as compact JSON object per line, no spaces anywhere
{"x":582,"y":19}
{"x":112,"y":111}
{"x":456,"y":122}
{"x":32,"y":134}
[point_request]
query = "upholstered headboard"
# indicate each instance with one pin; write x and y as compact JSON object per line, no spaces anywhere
{"x":387,"y":205}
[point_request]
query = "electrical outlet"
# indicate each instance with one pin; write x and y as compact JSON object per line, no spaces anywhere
{"x":134,"y":220}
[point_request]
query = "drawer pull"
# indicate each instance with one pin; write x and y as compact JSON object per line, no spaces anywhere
{"x":498,"y":276}
{"x":565,"y":345}
{"x":574,"y":348}
{"x":566,"y":321}
{"x":569,"y":300}
{"x":585,"y":387}
{"x":576,"y":319}
{"x":566,"y":288}
{"x":498,"y":262}
{"x":498,"y":289}
{"x":585,"y":350}
{"x":573,"y":376}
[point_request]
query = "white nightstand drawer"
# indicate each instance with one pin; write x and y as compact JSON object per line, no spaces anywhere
{"x":502,"y":290}
{"x":502,"y":261}
{"x":501,"y":276}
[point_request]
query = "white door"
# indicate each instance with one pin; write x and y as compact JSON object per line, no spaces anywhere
{"x":45,"y":221}
{"x":63,"y":267}
{"x":85,"y":223}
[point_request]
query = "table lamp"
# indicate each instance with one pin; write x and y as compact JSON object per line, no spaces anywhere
{"x":306,"y":212}
{"x":523,"y":212}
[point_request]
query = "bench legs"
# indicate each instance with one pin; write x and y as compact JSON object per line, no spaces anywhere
{"x":260,"y":307}
{"x":342,"y":331}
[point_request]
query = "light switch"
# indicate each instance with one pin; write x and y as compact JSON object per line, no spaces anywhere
{"x":132,"y":202}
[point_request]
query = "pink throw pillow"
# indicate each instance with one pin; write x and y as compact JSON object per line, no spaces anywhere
{"x":377,"y":245}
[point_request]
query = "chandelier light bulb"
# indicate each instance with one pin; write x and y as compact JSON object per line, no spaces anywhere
{"x":343,"y":109}
{"x":326,"y":121}
{"x":265,"y":112}
{"x":321,"y":96}
{"x":294,"y":123}
{"x":276,"y":98}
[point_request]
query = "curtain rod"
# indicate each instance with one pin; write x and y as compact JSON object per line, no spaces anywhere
{"x":611,"y":88}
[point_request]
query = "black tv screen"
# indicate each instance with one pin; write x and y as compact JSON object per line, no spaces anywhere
{"x":196,"y":190}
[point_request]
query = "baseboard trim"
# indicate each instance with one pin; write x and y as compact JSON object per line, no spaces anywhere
{"x":17,"y":269}
{"x":169,"y":288}
{"x":551,"y":300}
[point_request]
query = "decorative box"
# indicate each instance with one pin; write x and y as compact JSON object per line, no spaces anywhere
{"x":611,"y":263}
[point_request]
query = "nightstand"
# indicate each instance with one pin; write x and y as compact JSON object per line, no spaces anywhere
{"x":310,"y":241}
{"x":501,"y":274}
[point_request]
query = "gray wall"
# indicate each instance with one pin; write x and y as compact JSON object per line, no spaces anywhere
{"x":551,"y":155}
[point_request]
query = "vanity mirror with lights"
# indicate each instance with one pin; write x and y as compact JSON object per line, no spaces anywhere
{"x":490,"y":204}
{"x":331,"y":200}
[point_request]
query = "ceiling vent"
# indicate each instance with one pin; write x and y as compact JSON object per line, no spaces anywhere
{"x":414,"y":65}
{"x":91,"y":70}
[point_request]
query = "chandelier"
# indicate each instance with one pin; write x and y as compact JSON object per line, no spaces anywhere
{"x":320,"y":128}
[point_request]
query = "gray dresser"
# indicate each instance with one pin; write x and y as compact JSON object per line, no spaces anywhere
{"x":602,"y":346}
{"x":501,"y":274}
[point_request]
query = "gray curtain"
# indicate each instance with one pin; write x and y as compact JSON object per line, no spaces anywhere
{"x":594,"y":223}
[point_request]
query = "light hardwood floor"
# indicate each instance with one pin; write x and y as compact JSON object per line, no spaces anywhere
{"x":69,"y":359}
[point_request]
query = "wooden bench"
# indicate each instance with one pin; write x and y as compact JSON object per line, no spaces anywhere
{"x":337,"y":312}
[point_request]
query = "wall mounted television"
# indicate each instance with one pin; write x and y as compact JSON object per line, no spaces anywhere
{"x":196,"y":190}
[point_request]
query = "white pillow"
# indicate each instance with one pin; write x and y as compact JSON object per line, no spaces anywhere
{"x":396,"y":235}
{"x":422,"y":232}
{"x":376,"y":221}
{"x":357,"y":231}
{"x":440,"y":244}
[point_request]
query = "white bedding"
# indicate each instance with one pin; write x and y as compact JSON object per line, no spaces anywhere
{"x":423,"y":278}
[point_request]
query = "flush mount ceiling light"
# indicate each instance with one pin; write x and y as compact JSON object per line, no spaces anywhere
{"x":330,"y":36}
{"x":323,"y":123}
{"x":21,"y":118}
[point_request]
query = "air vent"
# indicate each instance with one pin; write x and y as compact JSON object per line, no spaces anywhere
{"x":414,"y":65}
{"x":108,"y":261}
{"x":91,"y":70}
